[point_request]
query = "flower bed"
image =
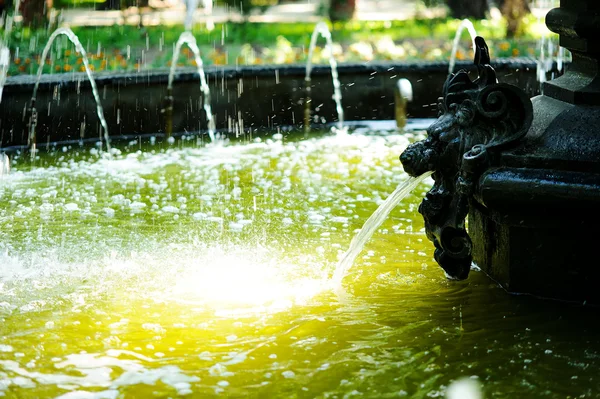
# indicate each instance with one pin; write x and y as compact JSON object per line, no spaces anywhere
{"x":125,"y":48}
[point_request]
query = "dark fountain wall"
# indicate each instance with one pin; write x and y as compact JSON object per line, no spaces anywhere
{"x":259,"y":99}
{"x":526,"y":171}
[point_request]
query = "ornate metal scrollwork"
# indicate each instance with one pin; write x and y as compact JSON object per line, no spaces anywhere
{"x":476,"y":120}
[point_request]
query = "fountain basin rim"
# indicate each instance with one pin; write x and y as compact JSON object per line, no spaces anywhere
{"x":260,"y":98}
{"x":521,"y":188}
{"x":17,"y":83}
{"x":375,"y":125}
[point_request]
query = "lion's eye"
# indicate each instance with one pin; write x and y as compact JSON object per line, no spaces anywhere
{"x":464,"y":115}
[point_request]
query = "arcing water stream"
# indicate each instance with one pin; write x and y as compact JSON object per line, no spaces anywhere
{"x":373,"y":223}
{"x":464,"y":24}
{"x":4,"y":64}
{"x":323,"y":30}
{"x":73,"y":38}
{"x":190,"y":40}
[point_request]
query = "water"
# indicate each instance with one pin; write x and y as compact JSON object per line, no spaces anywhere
{"x":190,"y":8}
{"x":322,"y":30}
{"x":464,"y":24}
{"x":373,"y":223}
{"x":402,"y":96}
{"x":4,"y":165}
{"x":73,"y":38}
{"x":208,"y":10}
{"x":405,"y":89}
{"x":190,"y":40}
{"x":548,"y":47}
{"x":173,"y":270}
{"x":4,"y":64}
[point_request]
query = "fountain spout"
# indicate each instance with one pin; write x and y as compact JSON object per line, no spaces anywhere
{"x":477,"y":118}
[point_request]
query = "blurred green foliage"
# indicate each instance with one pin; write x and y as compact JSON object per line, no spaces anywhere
{"x":125,"y":47}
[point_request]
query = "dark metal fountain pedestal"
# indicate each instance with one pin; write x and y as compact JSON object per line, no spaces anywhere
{"x":533,"y":201}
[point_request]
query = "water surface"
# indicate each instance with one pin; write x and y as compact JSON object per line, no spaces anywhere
{"x":204,"y":271}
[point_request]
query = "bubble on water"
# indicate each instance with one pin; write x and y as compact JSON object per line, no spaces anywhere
{"x":154,"y":327}
{"x":315,"y":218}
{"x":6,"y":348}
{"x":236,"y":227}
{"x":467,"y":388}
{"x":288,"y":374}
{"x":46,"y":208}
{"x":199,"y":215}
{"x":71,"y":207}
{"x":219,"y":370}
{"x":108,"y":394}
{"x":137,"y":205}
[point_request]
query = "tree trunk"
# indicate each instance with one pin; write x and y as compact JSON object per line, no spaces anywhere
{"x":341,"y":10}
{"x":475,"y":9}
{"x":35,"y":12}
{"x":514,"y":11}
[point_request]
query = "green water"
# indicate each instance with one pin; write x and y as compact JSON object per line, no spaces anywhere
{"x":205,"y":271}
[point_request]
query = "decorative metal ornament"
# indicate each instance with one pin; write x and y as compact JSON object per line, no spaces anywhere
{"x":476,"y":119}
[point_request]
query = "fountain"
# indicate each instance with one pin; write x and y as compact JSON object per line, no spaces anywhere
{"x":32,"y":111}
{"x":198,"y":271}
{"x":323,"y":30}
{"x":190,"y":40}
{"x":525,"y":172}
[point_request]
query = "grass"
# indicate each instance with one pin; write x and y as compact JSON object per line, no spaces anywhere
{"x":129,"y":48}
